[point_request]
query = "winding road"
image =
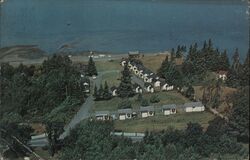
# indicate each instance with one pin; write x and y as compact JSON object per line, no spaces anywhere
{"x":83,"y":113}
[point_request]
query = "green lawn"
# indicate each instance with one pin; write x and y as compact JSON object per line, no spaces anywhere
{"x":160,"y":122}
{"x":112,"y":78}
{"x":108,"y":65}
{"x":171,"y":97}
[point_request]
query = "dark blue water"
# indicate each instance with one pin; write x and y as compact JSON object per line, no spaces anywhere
{"x":123,"y":25}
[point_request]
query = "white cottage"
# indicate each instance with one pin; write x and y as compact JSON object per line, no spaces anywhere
{"x":114,"y":91}
{"x":166,"y":87}
{"x":149,"y":87}
{"x":194,"y":107}
{"x":148,"y":111}
{"x":124,"y":114}
{"x":169,"y":109}
{"x":138,"y":89}
{"x":102,"y":115}
{"x":222,"y":75}
{"x":123,"y":62}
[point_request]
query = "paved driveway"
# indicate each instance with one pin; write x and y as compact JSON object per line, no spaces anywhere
{"x":84,"y":111}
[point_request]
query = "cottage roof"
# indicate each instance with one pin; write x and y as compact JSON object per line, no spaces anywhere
{"x":192,"y":104}
{"x":101,"y":113}
{"x":221,"y":72}
{"x":147,"y":84}
{"x":113,"y":88}
{"x":135,"y":85}
{"x":126,"y":110}
{"x":169,"y":106}
{"x":133,"y":52}
{"x":147,"y":108}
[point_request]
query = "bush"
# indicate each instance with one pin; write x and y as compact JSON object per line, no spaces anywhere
{"x":154,"y":99}
{"x":125,"y":104}
{"x":144,"y":102}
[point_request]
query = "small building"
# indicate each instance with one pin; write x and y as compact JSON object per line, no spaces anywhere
{"x":123,"y":62}
{"x":114,"y":91}
{"x":149,"y":87}
{"x":124,"y":114}
{"x":148,"y":111}
{"x":85,"y":84}
{"x":166,"y":87}
{"x":102,"y":115}
{"x":194,"y":107}
{"x":156,"y":82}
{"x":169,"y":109}
{"x":134,"y":54}
{"x":137,"y":88}
{"x":222,"y":75}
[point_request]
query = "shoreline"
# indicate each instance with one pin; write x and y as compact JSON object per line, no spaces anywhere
{"x":83,"y":56}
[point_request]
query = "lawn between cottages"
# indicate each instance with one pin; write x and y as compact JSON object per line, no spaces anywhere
{"x":171,"y":97}
{"x":161,"y":122}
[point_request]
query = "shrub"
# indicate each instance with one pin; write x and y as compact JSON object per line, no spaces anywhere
{"x":154,"y":99}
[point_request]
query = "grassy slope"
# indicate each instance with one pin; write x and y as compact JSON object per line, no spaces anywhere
{"x":161,"y":122}
{"x":172,"y":97}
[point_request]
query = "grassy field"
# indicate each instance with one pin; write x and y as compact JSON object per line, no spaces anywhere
{"x":153,"y":62}
{"x":171,"y":97}
{"x":160,"y":122}
{"x":108,"y":65}
{"x":112,"y":78}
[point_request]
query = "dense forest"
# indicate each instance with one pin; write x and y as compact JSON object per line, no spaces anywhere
{"x":48,"y":93}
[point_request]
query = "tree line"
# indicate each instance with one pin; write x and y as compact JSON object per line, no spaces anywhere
{"x":92,"y":140}
{"x":48,"y":93}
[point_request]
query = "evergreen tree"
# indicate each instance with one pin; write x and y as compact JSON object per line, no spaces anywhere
{"x":125,"y":88}
{"x":91,"y":67}
{"x":245,"y":73}
{"x":234,"y":74}
{"x":190,"y":92}
{"x":178,"y":52}
{"x":106,"y":92}
{"x":101,"y":92}
{"x":239,"y":117}
{"x":139,"y":97}
{"x":172,"y":54}
{"x":224,"y":61}
{"x":144,"y":102}
{"x":205,"y":46}
{"x":169,"y":72}
{"x":236,"y":61}
{"x":96,"y":94}
{"x":210,"y":44}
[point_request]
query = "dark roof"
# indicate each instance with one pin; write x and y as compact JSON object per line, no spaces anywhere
{"x":193,"y":104}
{"x":100,"y":113}
{"x":135,"y":85}
{"x":133,"y":52}
{"x":113,"y":88}
{"x":221,"y":72}
{"x":169,"y":106}
{"x":147,"y":108}
{"x":127,"y":110}
{"x":147,"y":84}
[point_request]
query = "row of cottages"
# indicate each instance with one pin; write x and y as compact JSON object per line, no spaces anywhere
{"x":194,"y":107}
{"x":149,"y":77}
{"x":169,"y":109}
{"x":137,"y":89}
{"x":149,"y":111}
